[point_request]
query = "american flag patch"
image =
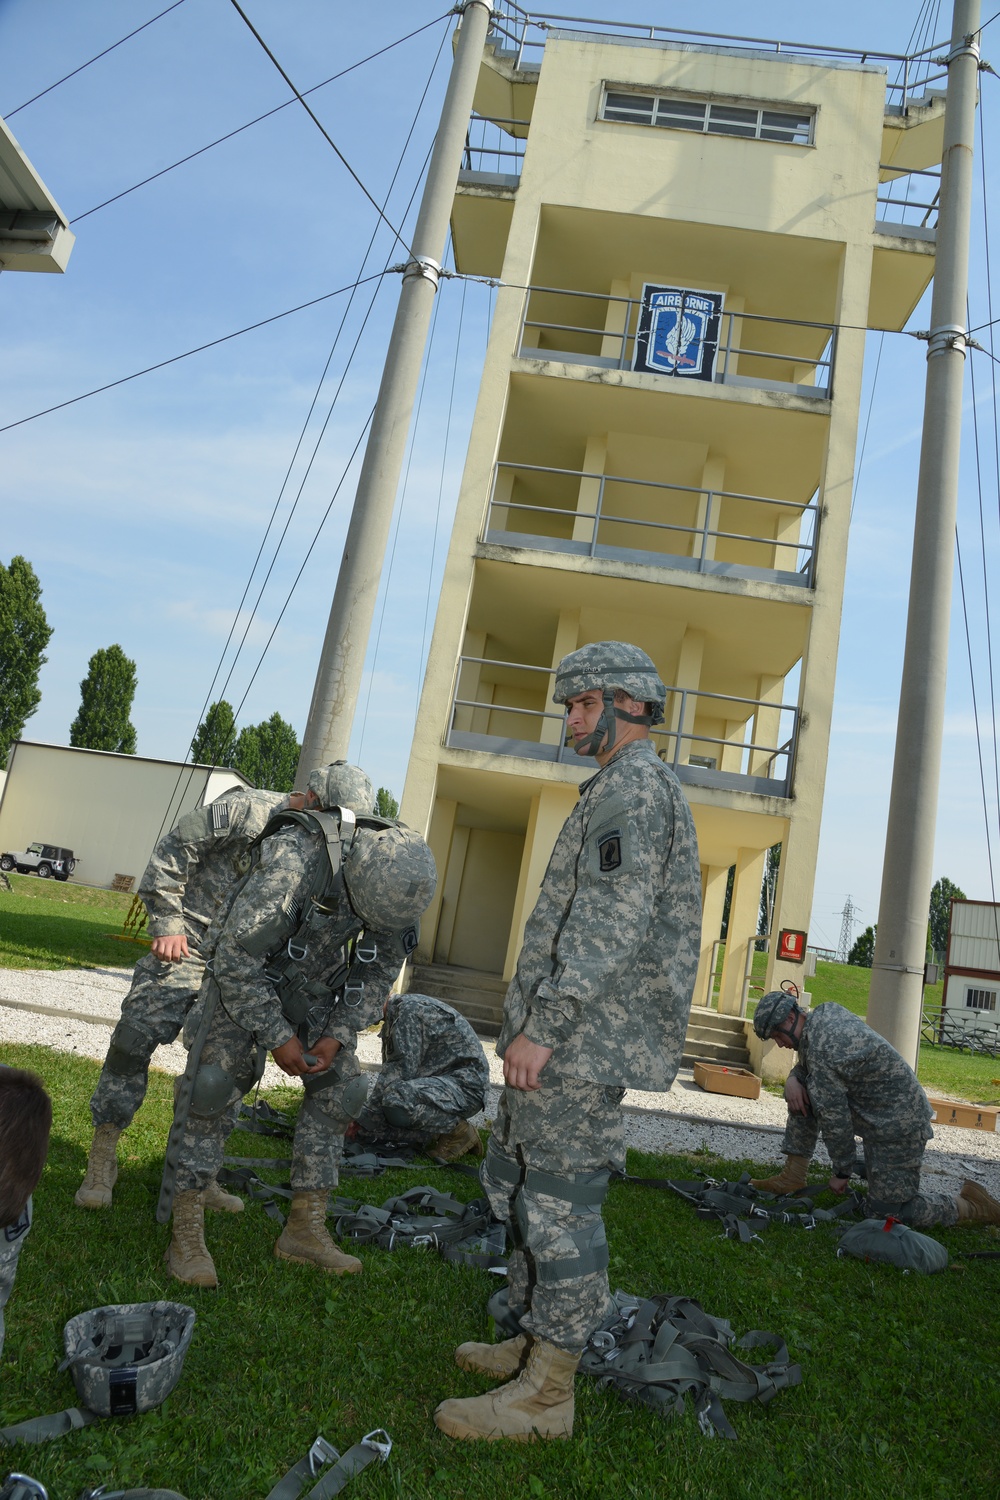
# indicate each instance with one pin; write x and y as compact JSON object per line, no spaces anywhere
{"x":220,"y":816}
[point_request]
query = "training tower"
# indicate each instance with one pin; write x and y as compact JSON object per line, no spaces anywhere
{"x":691,"y":244}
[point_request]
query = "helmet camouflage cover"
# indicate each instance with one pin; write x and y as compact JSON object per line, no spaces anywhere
{"x":128,"y":1357}
{"x":611,"y":664}
{"x":390,"y":876}
{"x":772,"y":1009}
{"x":342,"y":785}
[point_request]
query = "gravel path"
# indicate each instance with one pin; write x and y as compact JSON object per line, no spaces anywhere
{"x":73,"y":1010}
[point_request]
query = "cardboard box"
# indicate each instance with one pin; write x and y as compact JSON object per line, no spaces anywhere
{"x":717,"y":1079}
{"x":971,"y":1116}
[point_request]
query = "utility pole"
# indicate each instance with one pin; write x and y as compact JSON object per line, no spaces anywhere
{"x":901,"y":942}
{"x":338,"y":679}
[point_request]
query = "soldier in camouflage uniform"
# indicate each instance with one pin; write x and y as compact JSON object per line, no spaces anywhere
{"x":848,"y":1082}
{"x":25,"y":1124}
{"x":434,"y":1076}
{"x":599,"y":1003}
{"x":302,"y":963}
{"x":189,"y":883}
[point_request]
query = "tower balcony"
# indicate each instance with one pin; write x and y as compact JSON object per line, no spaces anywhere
{"x":676,"y":526}
{"x":785,"y":355}
{"x":711,"y":740}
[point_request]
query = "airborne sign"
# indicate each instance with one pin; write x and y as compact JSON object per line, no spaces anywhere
{"x":678,"y":332}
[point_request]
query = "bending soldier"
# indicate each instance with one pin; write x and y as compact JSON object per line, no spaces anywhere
{"x":188,"y":886}
{"x":848,"y":1082}
{"x":308,"y":953}
{"x":25,"y":1124}
{"x":434,"y":1076}
{"x":599,"y":1003}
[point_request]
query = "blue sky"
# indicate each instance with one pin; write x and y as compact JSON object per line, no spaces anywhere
{"x":143,"y":509}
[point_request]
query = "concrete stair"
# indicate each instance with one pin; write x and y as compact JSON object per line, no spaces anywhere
{"x":474,"y":994}
{"x":715,"y":1039}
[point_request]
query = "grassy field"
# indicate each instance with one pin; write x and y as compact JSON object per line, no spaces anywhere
{"x":901,"y":1375}
{"x":51,"y":924}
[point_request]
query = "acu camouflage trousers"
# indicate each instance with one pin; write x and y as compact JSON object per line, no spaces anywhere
{"x":319,"y":1129}
{"x":546,"y":1174}
{"x":893,"y":1175}
{"x":431,"y":1106}
{"x":153,"y":1014}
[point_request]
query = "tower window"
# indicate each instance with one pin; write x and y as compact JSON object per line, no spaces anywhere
{"x":710,"y":116}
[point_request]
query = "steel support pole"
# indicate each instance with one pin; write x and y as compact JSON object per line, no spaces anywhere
{"x":900,"y":948}
{"x":338,"y":679}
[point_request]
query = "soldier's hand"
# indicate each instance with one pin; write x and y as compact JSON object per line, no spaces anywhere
{"x":839,"y":1184}
{"x":796,"y":1096}
{"x":290,"y":1059}
{"x":170,"y":949}
{"x":523,"y":1061}
{"x":324,"y":1051}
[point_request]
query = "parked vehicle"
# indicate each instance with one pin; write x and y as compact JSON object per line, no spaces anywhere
{"x":46,"y":860}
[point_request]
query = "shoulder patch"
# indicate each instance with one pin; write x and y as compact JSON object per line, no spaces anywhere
{"x":609,"y":851}
{"x":220,"y":816}
{"x":14,"y":1231}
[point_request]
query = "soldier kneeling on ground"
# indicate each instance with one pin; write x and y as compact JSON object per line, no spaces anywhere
{"x":434,"y":1076}
{"x":850,"y":1081}
{"x":25,"y":1123}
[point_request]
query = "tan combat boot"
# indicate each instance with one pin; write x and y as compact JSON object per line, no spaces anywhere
{"x":217,"y":1198}
{"x":538,"y":1404}
{"x":462,"y":1140}
{"x":187,"y":1256}
{"x":975,"y":1206}
{"x":102,"y":1169}
{"x":306,"y":1239}
{"x":506,"y":1359}
{"x":791,"y":1178}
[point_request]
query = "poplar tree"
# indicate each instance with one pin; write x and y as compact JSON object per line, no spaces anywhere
{"x":267,"y":754}
{"x":24,"y":634}
{"x":214,"y":743}
{"x":106,"y":695}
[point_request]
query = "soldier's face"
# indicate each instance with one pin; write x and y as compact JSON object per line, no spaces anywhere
{"x":583,"y":712}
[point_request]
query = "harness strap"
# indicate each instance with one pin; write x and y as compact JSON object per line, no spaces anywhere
{"x":339,"y":1469}
{"x":43,"y":1429}
{"x":585,"y":1191}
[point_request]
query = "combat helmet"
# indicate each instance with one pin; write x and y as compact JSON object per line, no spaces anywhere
{"x":127,"y":1358}
{"x":342,"y":785}
{"x":776,"y":1011}
{"x":603,"y":667}
{"x":390,"y":876}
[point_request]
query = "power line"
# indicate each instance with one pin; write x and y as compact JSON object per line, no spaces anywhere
{"x":257,"y":119}
{"x":319,"y":124}
{"x":9,"y":114}
{"x":199,"y":349}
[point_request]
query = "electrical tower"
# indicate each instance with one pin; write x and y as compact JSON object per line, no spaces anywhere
{"x":848,"y":921}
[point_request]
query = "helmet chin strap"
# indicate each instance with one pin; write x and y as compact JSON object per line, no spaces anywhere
{"x":602,"y":737}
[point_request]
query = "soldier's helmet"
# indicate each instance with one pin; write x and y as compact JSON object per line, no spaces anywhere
{"x":127,"y":1358}
{"x":390,"y":876}
{"x":343,"y":785}
{"x":772,"y":1010}
{"x":609,"y":665}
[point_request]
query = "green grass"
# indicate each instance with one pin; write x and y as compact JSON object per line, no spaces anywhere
{"x":901,"y":1376}
{"x":50,"y":924}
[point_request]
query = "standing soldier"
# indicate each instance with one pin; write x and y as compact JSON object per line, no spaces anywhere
{"x":188,"y":885}
{"x":434,"y":1076}
{"x":850,"y":1081}
{"x":599,"y":1003}
{"x":311,"y":947}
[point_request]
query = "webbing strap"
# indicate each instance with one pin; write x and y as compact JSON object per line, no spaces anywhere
{"x":43,"y":1429}
{"x":583,"y":1195}
{"x":339,"y":1469}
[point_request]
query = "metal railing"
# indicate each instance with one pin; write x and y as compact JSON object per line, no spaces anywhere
{"x":521,"y":35}
{"x":807,"y":350}
{"x":595,"y":530}
{"x":734,"y":760}
{"x":907,"y":210}
{"x":493,"y":145}
{"x":964,"y":1031}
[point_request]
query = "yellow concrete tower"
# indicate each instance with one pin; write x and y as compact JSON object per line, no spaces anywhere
{"x":691,"y":247}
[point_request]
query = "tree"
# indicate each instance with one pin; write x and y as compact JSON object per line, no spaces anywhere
{"x":386,"y":805}
{"x":106,"y":695}
{"x":769,"y":886}
{"x":862,"y":955}
{"x":943,"y":892}
{"x":24,"y":635}
{"x":268,"y":754}
{"x":215,"y":742}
